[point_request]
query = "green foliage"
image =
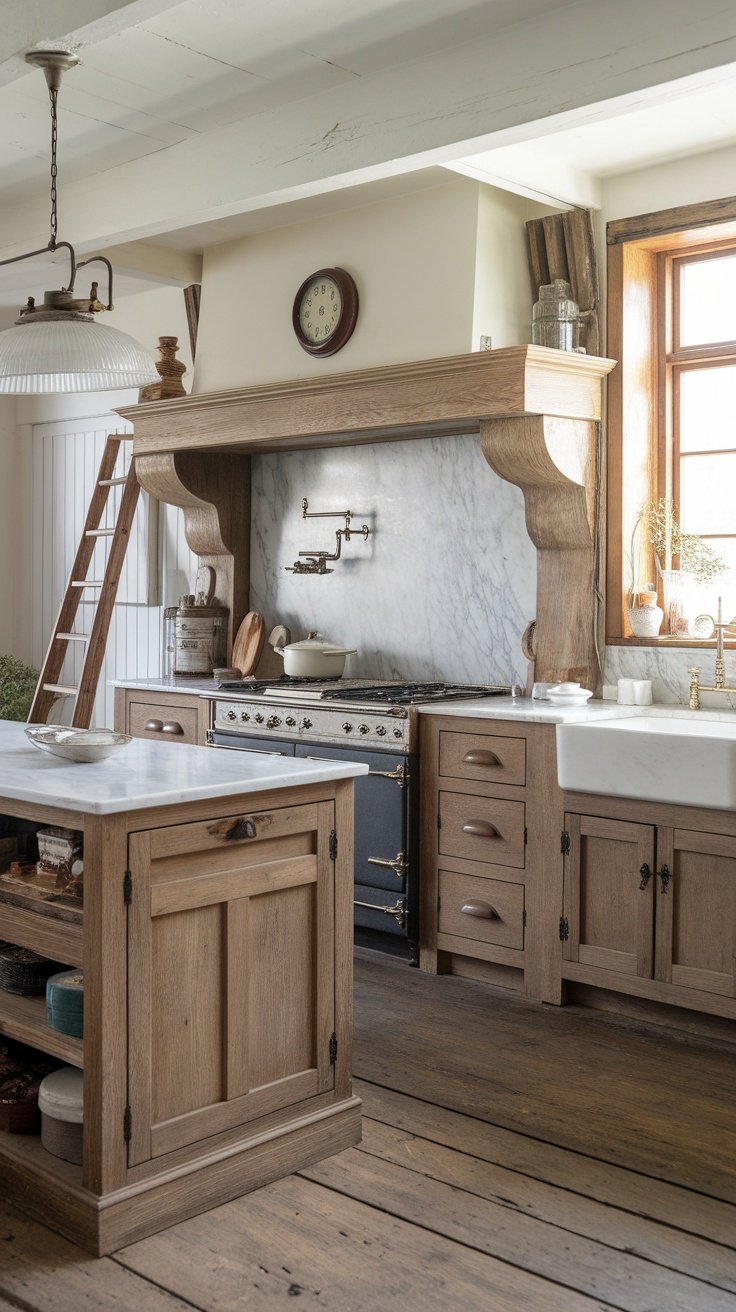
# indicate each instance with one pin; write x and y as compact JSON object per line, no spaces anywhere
{"x":17,"y":686}
{"x":696,"y":557}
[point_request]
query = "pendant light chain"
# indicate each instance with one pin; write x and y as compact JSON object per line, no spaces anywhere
{"x":53,"y":94}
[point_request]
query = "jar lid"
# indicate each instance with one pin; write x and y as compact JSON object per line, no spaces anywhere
{"x":61,"y":1094}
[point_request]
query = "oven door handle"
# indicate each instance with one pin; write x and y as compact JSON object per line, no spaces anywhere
{"x":398,"y":910}
{"x":402,"y":773}
{"x":225,"y":747}
{"x":399,"y":865}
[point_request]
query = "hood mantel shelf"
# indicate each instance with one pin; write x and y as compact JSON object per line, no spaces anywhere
{"x":451,"y":396}
{"x":536,"y":412}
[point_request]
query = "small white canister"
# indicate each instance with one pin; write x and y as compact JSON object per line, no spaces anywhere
{"x":200,"y":639}
{"x":61,"y":1103}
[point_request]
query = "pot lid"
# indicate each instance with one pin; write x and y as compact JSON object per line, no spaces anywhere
{"x":312,"y":642}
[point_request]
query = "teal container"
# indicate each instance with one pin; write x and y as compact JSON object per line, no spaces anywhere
{"x":65,"y":1002}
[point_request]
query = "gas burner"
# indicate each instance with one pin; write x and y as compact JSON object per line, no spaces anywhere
{"x":411,"y":693}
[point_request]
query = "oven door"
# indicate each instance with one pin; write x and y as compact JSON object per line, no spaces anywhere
{"x":240,"y":742}
{"x":384,"y":892}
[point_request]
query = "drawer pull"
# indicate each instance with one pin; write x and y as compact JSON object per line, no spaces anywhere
{"x":481,"y":910}
{"x":481,"y":829}
{"x":154,"y":726}
{"x":173,"y":727}
{"x":241,"y":829}
{"x":481,"y":757}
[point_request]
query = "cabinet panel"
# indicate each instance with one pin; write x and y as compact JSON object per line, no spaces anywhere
{"x":696,"y":911}
{"x":488,"y":758}
{"x":486,"y":910}
{"x":231,"y":971}
{"x":482,"y":829}
{"x":608,"y":902}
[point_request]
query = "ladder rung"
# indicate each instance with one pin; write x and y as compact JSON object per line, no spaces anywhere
{"x":99,"y":532}
{"x":62,"y":688}
{"x":111,"y":482}
{"x":73,"y":637}
{"x":86,"y":583}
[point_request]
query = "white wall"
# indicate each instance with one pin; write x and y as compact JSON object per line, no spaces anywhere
{"x":434,"y":269}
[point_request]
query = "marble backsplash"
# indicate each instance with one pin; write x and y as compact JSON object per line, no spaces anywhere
{"x":443,"y":587}
{"x":669,"y":670}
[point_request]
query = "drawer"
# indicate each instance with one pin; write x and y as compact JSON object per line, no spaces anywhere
{"x":486,"y":910}
{"x":482,"y":829}
{"x":168,"y":723}
{"x":486,"y":757}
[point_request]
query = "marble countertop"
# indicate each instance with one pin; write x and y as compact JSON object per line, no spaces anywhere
{"x":527,"y":711}
{"x":146,"y":774}
{"x":180,"y":683}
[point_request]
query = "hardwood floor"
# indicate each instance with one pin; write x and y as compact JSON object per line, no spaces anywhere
{"x":516,"y":1158}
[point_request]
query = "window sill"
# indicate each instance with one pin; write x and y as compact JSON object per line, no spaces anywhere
{"x":696,"y":644}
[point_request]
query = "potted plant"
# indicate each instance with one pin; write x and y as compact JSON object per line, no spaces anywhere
{"x":698,"y":564}
{"x":17,"y":686}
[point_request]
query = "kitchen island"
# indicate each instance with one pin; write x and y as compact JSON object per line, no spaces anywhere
{"x":216,"y":943}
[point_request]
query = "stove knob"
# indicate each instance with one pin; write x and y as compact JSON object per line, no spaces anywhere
{"x":291,"y":721}
{"x":306,"y":724}
{"x":231,"y":715}
{"x":348,"y":727}
{"x":244,"y":717}
{"x":398,"y":733}
{"x":258,"y":718}
{"x":273,"y":722}
{"x":381,"y":730}
{"x":363,"y":728}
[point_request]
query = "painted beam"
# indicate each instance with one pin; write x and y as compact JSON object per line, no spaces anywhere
{"x":28,"y":23}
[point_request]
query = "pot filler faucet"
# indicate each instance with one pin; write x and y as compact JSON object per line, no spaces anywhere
{"x":720,"y":685}
{"x":316,"y":561}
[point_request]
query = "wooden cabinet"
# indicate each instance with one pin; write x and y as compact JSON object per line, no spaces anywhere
{"x":162,"y":716}
{"x":650,"y":909}
{"x":489,"y":876}
{"x":216,"y":943}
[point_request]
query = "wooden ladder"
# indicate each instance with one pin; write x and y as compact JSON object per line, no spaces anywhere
{"x":49,"y":687}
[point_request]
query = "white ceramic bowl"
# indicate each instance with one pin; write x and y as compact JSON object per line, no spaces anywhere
{"x":563,"y":698}
{"x":82,"y":745}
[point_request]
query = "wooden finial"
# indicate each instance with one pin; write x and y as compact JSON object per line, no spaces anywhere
{"x":171,"y":371}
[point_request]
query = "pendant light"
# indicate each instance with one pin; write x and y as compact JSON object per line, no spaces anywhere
{"x":58,"y":347}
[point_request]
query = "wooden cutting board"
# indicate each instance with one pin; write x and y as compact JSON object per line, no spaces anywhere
{"x":248,"y":643}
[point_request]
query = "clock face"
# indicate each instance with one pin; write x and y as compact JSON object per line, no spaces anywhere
{"x":319,"y":312}
{"x":325,"y":311}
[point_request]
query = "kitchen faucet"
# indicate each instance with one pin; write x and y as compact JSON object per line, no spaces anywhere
{"x":720,"y":685}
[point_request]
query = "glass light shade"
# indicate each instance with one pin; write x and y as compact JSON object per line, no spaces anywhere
{"x":71,"y":355}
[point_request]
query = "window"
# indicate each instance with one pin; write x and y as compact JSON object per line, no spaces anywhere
{"x":672,"y":401}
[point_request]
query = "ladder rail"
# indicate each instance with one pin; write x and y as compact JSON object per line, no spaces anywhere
{"x":77,"y":583}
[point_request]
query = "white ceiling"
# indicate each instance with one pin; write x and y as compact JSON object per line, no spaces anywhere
{"x":188,"y":124}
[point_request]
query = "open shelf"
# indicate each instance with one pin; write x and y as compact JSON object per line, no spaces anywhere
{"x":24,"y":1018}
{"x":28,"y":1151}
{"x":61,"y":940}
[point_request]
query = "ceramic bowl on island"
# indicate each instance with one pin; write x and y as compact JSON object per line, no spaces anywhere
{"x":85,"y":746}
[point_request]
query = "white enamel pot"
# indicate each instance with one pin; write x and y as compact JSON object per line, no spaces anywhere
{"x":313,"y":658}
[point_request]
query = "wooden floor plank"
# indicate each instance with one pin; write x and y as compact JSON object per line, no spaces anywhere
{"x":297,"y":1238}
{"x":641,"y":1195}
{"x":621,"y":1279}
{"x":561,"y":1208}
{"x":42,"y":1271}
{"x":667,"y":1110}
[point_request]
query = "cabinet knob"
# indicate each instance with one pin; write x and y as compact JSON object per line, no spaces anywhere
{"x":480,"y":756}
{"x":172,"y":727}
{"x":481,"y":910}
{"x":241,"y":829}
{"x":154,"y":726}
{"x":481,"y":829}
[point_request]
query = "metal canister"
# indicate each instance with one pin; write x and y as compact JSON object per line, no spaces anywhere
{"x":168,"y":643}
{"x":200,"y":639}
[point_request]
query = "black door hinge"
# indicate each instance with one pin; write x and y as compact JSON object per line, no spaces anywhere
{"x":565,"y":843}
{"x":333,"y":1048}
{"x":333,"y":845}
{"x":127,"y":888}
{"x":564,"y":929}
{"x":127,"y":1124}
{"x":526,"y":835}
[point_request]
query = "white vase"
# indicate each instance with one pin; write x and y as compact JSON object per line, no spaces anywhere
{"x":645,"y":621}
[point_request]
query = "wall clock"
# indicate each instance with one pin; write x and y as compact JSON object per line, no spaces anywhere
{"x":325,"y":311}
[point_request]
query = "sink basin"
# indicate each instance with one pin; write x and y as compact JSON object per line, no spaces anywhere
{"x":687,"y":761}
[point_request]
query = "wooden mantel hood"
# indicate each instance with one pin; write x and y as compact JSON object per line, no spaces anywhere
{"x":449,"y":396}
{"x":536,"y":411}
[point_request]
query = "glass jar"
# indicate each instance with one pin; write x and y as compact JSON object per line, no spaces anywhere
{"x":556,"y":317}
{"x":168,"y":644}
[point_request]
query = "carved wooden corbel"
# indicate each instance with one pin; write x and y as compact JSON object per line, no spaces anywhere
{"x":214,"y":494}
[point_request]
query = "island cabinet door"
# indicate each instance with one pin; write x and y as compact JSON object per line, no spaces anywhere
{"x":608,"y":914}
{"x":231,"y":973}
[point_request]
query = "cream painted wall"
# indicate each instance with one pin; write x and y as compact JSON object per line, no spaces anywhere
{"x":13,"y":614}
{"x":434,"y":270}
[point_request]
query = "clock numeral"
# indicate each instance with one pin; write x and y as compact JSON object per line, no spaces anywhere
{"x":321,"y":309}
{"x":324,"y":289}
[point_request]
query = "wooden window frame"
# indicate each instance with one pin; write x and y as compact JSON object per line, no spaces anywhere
{"x":640,"y":460}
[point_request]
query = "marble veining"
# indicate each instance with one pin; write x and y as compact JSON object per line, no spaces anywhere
{"x":669,"y":670}
{"x":146,"y":774}
{"x":445,"y":584}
